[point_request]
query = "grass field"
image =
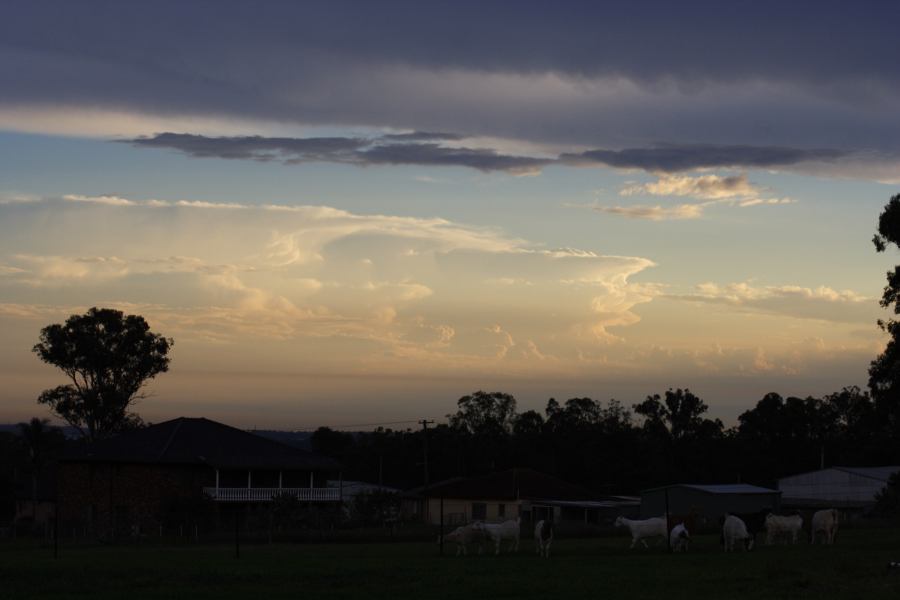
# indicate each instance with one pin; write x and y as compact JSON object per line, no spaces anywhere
{"x":584,"y":568}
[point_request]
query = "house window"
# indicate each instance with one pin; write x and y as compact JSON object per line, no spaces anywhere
{"x":501,"y":510}
{"x":479,"y":511}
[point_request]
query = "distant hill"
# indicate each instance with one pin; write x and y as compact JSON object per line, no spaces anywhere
{"x":69,"y":431}
{"x":298,"y":439}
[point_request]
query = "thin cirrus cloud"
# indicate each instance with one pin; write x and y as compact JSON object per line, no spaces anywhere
{"x":820,"y":303}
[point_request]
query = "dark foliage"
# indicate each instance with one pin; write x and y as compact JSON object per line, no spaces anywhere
{"x":108,"y":357}
{"x":602,"y":446}
{"x":884,"y":372}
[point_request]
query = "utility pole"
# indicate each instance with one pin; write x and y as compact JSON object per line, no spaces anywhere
{"x":425,"y":423}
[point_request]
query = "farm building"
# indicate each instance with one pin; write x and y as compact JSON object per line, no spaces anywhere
{"x":524,"y":493}
{"x":838,"y":487}
{"x":710,"y":501}
{"x":140,"y":479}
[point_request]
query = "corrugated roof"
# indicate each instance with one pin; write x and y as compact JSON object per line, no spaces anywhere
{"x":506,"y":485}
{"x":196,"y":441}
{"x":724,"y":488}
{"x":879,"y":473}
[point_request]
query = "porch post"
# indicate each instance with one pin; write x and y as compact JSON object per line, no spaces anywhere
{"x":310,"y":480}
{"x":279,"y":480}
{"x":217,"y":483}
{"x":249,"y":478}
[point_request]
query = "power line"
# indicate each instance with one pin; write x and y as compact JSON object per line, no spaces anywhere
{"x":346,"y":427}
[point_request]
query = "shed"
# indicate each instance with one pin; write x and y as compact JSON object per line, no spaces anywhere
{"x":524,"y":493}
{"x":838,"y":487}
{"x":710,"y":501}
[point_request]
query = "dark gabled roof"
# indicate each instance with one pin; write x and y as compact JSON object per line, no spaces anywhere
{"x":188,"y":441}
{"x":725,"y":488}
{"x":512,"y":484}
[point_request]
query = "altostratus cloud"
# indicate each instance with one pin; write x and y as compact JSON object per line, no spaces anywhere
{"x":445,"y":149}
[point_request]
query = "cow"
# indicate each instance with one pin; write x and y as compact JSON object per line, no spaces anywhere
{"x":735,"y":530}
{"x":787,"y":527}
{"x":464,"y":536}
{"x":543,"y":537}
{"x":642,"y":529}
{"x":679,"y":538}
{"x":498,"y":533}
{"x":824,"y":522}
{"x":755,"y":523}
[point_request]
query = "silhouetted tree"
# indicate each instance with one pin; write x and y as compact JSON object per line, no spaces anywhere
{"x":681,"y":416}
{"x":485,"y":413}
{"x":108,"y":356}
{"x":884,"y":371}
{"x":326,"y":440}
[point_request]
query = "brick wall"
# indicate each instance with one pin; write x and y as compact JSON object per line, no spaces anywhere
{"x":111,"y":500}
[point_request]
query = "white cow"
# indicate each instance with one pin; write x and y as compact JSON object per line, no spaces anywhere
{"x":543,"y":537}
{"x":642,"y":529}
{"x":464,"y":536}
{"x":783,"y":527}
{"x":826,"y":523}
{"x":679,"y":538}
{"x":735,"y":530}
{"x":508,"y":530}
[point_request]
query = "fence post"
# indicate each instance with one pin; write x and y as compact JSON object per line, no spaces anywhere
{"x":237,"y":533}
{"x":442,"y":526}
{"x":668,"y":531}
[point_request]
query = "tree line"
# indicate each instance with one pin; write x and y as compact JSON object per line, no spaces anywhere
{"x":609,"y":448}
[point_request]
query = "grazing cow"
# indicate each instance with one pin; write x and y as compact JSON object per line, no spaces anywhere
{"x":508,"y":530}
{"x":826,"y":523}
{"x":755,"y":523}
{"x":464,"y":536}
{"x":679,"y":538}
{"x":642,"y":529}
{"x":786,"y":527}
{"x":543,"y":536}
{"x":735,"y":530}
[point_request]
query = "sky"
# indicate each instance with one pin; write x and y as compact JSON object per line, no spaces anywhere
{"x":349,"y":213}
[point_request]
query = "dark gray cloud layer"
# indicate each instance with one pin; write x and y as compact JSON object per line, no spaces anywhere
{"x":579,"y":73}
{"x":416,"y":148}
{"x":693,"y":39}
{"x":672,"y":158}
{"x":425,"y":149}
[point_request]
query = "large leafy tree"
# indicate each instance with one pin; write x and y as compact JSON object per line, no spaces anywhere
{"x":679,"y":414}
{"x":485,"y":414}
{"x":884,"y":372}
{"x":108,"y":357}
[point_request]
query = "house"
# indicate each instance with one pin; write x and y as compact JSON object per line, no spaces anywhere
{"x":850,"y":488}
{"x":182,"y":469}
{"x":709,"y":501}
{"x":524,"y":493}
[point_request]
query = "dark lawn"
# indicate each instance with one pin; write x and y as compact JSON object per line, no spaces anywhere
{"x":590,"y":568}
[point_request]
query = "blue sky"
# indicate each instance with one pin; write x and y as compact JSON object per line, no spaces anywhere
{"x":345,"y":212}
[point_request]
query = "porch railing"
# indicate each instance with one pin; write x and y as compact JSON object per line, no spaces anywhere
{"x":243,"y":494}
